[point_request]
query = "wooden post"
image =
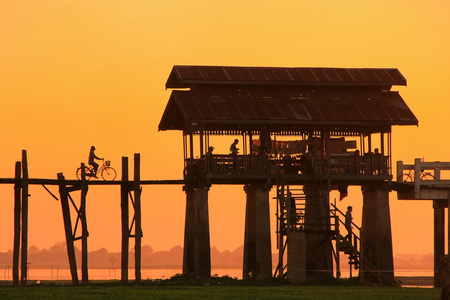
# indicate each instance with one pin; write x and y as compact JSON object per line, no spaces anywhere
{"x":68,"y":228}
{"x":281,"y":204}
{"x":84,"y":245}
{"x":17,"y":214}
{"x":439,"y":241}
{"x":24,"y":252}
{"x":137,"y":212}
{"x":124,"y":189}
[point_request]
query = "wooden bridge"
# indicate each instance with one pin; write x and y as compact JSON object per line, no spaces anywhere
{"x":130,"y":194}
{"x":427,"y":181}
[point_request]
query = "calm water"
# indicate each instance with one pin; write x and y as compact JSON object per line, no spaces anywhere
{"x":56,"y":273}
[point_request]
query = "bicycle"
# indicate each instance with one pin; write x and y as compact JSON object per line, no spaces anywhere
{"x":108,"y":173}
{"x":409,"y":177}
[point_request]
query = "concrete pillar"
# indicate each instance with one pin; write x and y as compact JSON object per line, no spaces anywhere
{"x":257,"y":243}
{"x":189,"y":232}
{"x":296,"y":257}
{"x":378,"y":260}
{"x":319,"y":249}
{"x":197,"y":248}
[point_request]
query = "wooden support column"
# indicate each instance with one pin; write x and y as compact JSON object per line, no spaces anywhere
{"x":17,"y":214}
{"x":439,"y":241}
{"x":257,"y":242}
{"x":124,"y":189}
{"x":378,"y":262}
{"x":137,"y":212}
{"x":84,"y":244}
{"x":64,"y":196}
{"x":24,"y":252}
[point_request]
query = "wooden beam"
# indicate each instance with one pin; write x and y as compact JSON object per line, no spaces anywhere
{"x":24,"y":252}
{"x":17,"y":214}
{"x":68,"y":228}
{"x":124,"y":189}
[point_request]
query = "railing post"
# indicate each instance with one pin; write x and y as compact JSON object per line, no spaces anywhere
{"x":400,"y":171}
{"x":417,"y":181}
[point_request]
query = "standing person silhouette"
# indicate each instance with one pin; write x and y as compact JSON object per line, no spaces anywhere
{"x":348,"y":223}
{"x":233,"y":149}
{"x":92,"y":158}
{"x":234,"y":152}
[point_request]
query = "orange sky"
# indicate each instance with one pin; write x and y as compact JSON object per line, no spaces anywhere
{"x":80,"y":73}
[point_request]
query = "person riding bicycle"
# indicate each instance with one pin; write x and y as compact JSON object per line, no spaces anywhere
{"x":92,"y":162}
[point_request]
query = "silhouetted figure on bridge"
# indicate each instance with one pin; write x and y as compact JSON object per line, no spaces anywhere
{"x":92,"y":158}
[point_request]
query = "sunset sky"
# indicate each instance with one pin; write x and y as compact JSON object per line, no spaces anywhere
{"x":76,"y":73}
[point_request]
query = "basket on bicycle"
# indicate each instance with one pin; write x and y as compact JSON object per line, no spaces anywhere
{"x":107,"y":163}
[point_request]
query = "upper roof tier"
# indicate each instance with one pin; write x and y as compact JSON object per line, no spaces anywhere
{"x":226,"y":99}
{"x":188,"y":76}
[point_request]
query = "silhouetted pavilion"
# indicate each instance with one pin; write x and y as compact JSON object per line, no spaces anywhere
{"x":307,"y":131}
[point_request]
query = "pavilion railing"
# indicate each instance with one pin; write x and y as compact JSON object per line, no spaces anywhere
{"x":263,"y":164}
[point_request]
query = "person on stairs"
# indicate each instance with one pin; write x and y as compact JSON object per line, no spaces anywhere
{"x":348,"y":223}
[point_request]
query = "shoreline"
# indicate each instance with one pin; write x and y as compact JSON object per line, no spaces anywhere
{"x":403,"y":281}
{"x":415,"y":281}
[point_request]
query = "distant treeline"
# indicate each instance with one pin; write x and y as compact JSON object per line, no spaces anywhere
{"x":56,"y":256}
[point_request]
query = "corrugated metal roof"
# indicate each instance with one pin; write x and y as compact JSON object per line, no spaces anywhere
{"x":184,"y":107}
{"x":186,"y":76}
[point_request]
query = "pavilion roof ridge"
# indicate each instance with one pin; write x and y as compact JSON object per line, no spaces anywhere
{"x":185,"y":76}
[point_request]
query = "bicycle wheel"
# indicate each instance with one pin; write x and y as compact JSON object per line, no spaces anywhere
{"x":426,"y":176}
{"x":109,"y":174}
{"x":405,"y":178}
{"x":87,"y":171}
